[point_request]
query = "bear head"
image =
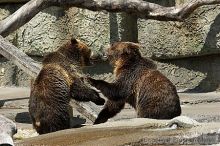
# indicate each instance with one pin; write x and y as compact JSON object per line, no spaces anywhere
{"x":123,"y":51}
{"x":76,"y":51}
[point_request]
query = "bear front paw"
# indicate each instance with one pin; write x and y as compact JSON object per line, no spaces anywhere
{"x":96,"y":98}
{"x":90,"y":80}
{"x":100,"y":101}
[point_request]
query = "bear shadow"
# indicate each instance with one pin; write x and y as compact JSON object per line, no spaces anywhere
{"x":24,"y":117}
{"x":77,"y":122}
{"x":2,"y":102}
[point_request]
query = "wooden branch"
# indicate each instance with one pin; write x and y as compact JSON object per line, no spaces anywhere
{"x":32,"y":68}
{"x":21,"y":16}
{"x":178,"y":13}
{"x":13,"y":1}
{"x":19,"y":58}
{"x":141,"y":8}
{"x":87,"y":109}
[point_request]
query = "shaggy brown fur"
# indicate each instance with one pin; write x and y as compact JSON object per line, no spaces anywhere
{"x":137,"y":83}
{"x":57,"y":82}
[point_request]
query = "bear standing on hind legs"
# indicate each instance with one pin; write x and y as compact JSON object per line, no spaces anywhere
{"x":138,"y":83}
{"x":58,"y":82}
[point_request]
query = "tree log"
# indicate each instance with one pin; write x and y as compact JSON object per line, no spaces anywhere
{"x":19,"y":58}
{"x":141,"y":8}
{"x":32,"y":68}
{"x":13,"y":1}
{"x":21,"y":16}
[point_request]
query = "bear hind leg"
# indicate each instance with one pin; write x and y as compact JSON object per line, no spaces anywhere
{"x":110,"y":109}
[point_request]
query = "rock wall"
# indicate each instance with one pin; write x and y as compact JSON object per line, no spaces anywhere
{"x":186,"y":52}
{"x":197,"y":36}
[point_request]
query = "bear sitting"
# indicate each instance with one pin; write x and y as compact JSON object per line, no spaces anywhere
{"x":58,"y":81}
{"x":138,"y":83}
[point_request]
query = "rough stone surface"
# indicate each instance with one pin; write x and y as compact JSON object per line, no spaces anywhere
{"x":197,"y":73}
{"x":200,"y":74}
{"x":197,"y":35}
{"x":47,"y":31}
{"x":11,"y":75}
{"x":7,"y":70}
{"x":5,"y":11}
{"x":50,"y":28}
{"x":91,"y":27}
{"x":182,"y":78}
{"x":123,"y":27}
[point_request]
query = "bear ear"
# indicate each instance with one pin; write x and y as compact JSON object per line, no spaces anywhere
{"x":131,"y":47}
{"x":126,"y":50}
{"x":74,"y":41}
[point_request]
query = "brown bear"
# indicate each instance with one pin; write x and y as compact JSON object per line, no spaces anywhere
{"x":58,"y":82}
{"x":138,"y":83}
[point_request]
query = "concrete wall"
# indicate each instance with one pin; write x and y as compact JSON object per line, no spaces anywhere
{"x":186,"y":52}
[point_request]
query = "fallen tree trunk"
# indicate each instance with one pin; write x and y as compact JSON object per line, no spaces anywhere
{"x":19,"y":58}
{"x":13,"y":1}
{"x":32,"y":68}
{"x":140,"y":8}
{"x":21,"y":16}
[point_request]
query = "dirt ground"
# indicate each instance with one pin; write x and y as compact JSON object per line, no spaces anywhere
{"x":203,"y":107}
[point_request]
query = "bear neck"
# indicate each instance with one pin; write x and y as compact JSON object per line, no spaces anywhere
{"x":148,"y":63}
{"x":62,"y":60}
{"x":124,"y":64}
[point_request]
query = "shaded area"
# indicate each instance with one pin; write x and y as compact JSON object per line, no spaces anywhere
{"x":212,"y":80}
{"x":206,"y":64}
{"x":124,"y":27}
{"x":77,"y":122}
{"x":99,"y":68}
{"x":2,"y":102}
{"x":166,"y":3}
{"x":113,"y":23}
{"x":129,"y":28}
{"x":23,"y":118}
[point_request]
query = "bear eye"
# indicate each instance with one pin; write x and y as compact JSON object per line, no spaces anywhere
{"x":74,"y":41}
{"x":113,"y":48}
